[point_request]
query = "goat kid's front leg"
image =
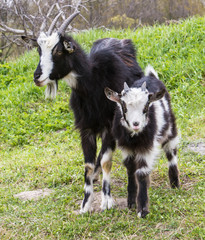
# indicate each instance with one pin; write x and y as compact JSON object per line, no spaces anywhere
{"x":132,"y":185}
{"x":89,"y":150}
{"x":143,"y":181}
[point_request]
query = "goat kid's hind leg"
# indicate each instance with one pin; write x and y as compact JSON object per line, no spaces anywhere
{"x":89,"y":150}
{"x":171,"y":152}
{"x":132,"y":185}
{"x":108,"y":146}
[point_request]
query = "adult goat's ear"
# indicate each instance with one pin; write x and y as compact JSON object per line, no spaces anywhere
{"x":32,"y":41}
{"x":69,"y":46}
{"x":111,"y":95}
{"x":157,"y":95}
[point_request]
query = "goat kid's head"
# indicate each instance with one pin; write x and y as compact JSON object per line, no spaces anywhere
{"x":134,"y":105}
{"x":55,"y":50}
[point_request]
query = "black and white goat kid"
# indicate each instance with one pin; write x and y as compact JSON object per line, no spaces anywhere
{"x":110,"y":63}
{"x":143,"y":121}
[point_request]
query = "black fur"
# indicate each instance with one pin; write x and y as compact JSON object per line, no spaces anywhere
{"x":173,"y":176}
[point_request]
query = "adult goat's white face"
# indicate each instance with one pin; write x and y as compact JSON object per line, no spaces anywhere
{"x":134,"y":104}
{"x":45,"y":67}
{"x":54,"y":50}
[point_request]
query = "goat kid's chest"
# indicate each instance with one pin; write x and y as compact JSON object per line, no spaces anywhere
{"x":134,"y":161}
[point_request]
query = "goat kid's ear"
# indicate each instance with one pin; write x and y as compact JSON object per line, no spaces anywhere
{"x":143,"y":87}
{"x":69,"y":46}
{"x":111,"y":95}
{"x":156,"y":96}
{"x":32,"y":41}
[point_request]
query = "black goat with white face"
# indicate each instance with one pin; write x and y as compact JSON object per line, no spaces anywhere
{"x":143,"y":121}
{"x":110,"y":63}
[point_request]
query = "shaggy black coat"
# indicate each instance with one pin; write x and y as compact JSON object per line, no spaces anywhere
{"x":105,"y":67}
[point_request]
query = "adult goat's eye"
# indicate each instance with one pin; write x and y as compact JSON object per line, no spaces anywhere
{"x":59,"y":53}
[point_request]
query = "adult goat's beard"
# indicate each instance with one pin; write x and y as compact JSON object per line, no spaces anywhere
{"x":51,"y":90}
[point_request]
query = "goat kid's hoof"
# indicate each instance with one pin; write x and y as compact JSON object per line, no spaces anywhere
{"x":175,"y":184}
{"x":143,"y":213}
{"x":131,"y":205}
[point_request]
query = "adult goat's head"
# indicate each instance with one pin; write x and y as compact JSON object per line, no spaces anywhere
{"x":54,"y":49}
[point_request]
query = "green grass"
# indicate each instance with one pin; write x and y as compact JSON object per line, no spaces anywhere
{"x":39,"y":147}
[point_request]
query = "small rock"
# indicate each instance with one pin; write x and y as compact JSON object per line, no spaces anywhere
{"x":34,"y":195}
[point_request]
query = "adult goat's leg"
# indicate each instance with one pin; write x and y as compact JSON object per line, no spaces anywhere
{"x":108,"y":146}
{"x":88,"y":141}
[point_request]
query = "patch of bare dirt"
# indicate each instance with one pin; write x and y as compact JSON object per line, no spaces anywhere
{"x":120,"y":203}
{"x":34,"y":195}
{"x":197,"y":147}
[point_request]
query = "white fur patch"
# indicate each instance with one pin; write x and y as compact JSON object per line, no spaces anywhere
{"x":107,"y":156}
{"x":172,"y":144}
{"x":173,"y":161}
{"x":126,"y":153}
{"x":143,"y":170}
{"x":51,"y":90}
{"x":87,"y":207}
{"x":47,"y":43}
{"x":159,"y":116}
{"x":88,"y":189}
{"x":150,"y":158}
{"x":139,"y":215}
{"x":166,"y":106}
{"x":150,"y":70}
{"x":107,"y":202}
{"x":71,"y":79}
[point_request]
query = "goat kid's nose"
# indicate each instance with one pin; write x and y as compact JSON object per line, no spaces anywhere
{"x":136,"y":124}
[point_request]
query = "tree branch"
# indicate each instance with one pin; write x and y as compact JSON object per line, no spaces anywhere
{"x":13,"y":30}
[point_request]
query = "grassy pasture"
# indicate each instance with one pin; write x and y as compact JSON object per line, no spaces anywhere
{"x":39,"y":147}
